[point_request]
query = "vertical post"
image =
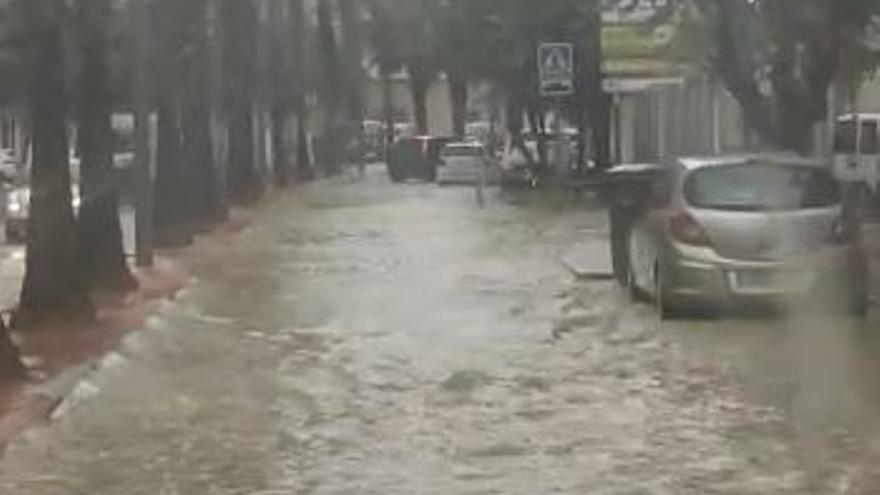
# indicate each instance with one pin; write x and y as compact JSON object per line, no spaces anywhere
{"x":599,"y":100}
{"x":144,"y":188}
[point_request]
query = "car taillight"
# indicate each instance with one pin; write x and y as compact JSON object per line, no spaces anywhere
{"x":687,"y":230}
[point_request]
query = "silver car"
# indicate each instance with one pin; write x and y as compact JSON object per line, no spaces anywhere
{"x":467,"y":163}
{"x":758,"y":227}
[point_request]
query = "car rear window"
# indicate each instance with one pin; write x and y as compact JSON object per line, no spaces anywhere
{"x":760,"y":187}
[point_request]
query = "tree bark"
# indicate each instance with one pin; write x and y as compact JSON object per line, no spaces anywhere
{"x":515,"y":123}
{"x":172,"y":212}
{"x":281,"y":159}
{"x":304,"y":170}
{"x":387,"y":110}
{"x":599,"y":101}
{"x":240,"y":20}
{"x":206,"y":112}
{"x":458,"y":97}
{"x":244,"y":183}
{"x":216,"y":115}
{"x":419,"y":89}
{"x":101,"y":253}
{"x":207,"y":207}
{"x":353,"y":50}
{"x":53,"y":284}
{"x":332,"y":88}
{"x":10,"y":358}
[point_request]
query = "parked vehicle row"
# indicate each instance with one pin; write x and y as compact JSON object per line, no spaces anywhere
{"x":710,"y":231}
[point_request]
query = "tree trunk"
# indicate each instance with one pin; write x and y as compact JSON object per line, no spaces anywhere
{"x":515,"y":123}
{"x":244,"y":184}
{"x":298,"y":25}
{"x":207,"y":207}
{"x":458,"y":97}
{"x":387,"y":110}
{"x":240,"y":20}
{"x":101,"y":253}
{"x":305,"y":172}
{"x":281,"y":160}
{"x":171,"y":211}
{"x":53,"y":284}
{"x":353,"y":51}
{"x":419,"y":91}
{"x":10,"y":358}
{"x":216,"y":207}
{"x":332,"y":88}
{"x":599,"y":101}
{"x":601,"y":132}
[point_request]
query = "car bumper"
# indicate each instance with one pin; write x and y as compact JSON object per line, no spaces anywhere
{"x":696,"y":274}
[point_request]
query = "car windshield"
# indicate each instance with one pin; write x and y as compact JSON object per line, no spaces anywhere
{"x":760,"y":187}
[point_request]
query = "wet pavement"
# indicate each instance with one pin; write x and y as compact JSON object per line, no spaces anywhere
{"x":369,"y":338}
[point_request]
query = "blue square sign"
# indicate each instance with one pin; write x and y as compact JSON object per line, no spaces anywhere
{"x":556,"y":69}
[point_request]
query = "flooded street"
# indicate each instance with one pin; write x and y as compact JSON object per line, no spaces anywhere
{"x":369,"y":338}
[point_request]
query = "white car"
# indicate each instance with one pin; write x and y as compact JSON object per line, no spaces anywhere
{"x":465,"y":162}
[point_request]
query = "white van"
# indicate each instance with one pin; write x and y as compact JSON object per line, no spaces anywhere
{"x":857,"y":149}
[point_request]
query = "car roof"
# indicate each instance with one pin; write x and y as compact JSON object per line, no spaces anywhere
{"x":692,"y":163}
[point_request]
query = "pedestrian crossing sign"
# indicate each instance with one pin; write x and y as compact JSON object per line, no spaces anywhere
{"x":556,"y":69}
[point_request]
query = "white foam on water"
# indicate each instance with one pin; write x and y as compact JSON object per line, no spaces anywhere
{"x":32,"y":362}
{"x":113,"y":360}
{"x":155,"y":323}
{"x":166,"y":305}
{"x":84,"y":391}
{"x":132,"y":343}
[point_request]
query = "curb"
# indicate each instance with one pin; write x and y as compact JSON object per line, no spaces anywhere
{"x":581,"y":273}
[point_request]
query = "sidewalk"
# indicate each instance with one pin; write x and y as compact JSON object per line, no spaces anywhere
{"x":58,"y":359}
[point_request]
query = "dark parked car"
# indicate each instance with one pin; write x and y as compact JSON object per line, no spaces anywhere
{"x":416,"y":158}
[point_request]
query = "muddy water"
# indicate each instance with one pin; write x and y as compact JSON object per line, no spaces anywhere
{"x":378,"y":339}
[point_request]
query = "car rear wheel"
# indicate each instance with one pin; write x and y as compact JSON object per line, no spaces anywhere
{"x":666,"y":307}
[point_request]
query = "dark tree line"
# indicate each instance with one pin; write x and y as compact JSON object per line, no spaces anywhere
{"x":229,"y":84}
